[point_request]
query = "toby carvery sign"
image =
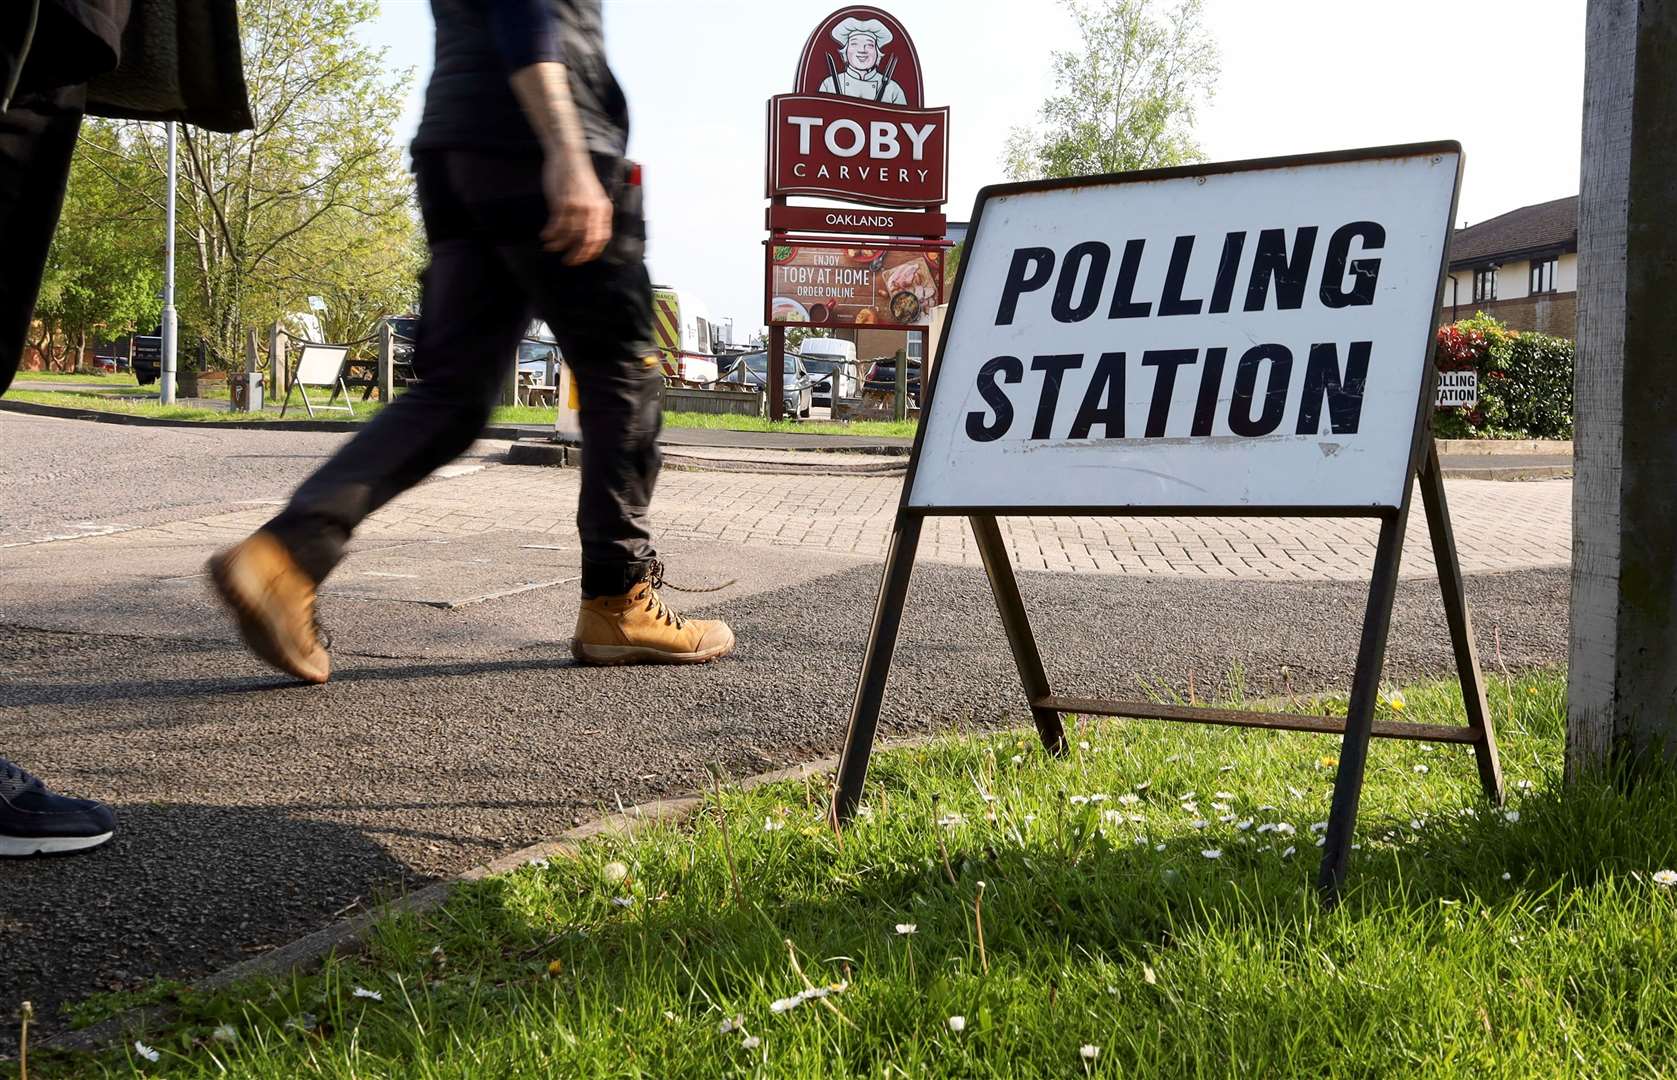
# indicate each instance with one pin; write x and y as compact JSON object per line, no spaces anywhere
{"x":1253,"y":335}
{"x":856,"y":128}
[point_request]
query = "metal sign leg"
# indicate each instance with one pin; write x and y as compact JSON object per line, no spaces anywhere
{"x":1359,"y":715}
{"x":1005,"y":587}
{"x":1461,"y":626}
{"x":876,"y":667}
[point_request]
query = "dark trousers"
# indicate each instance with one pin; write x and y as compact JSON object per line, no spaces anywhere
{"x":37,"y":139}
{"x":488,"y":275}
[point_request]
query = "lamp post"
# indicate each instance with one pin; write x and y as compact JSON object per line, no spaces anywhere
{"x":167,"y":393}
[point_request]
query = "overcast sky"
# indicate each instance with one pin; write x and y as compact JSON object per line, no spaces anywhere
{"x":1504,"y":77}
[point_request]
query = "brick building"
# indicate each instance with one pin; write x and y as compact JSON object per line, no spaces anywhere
{"x":1521,"y":267}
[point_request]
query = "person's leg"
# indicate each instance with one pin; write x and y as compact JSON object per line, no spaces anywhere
{"x":37,"y":140}
{"x":601,"y":313}
{"x":471,"y":317}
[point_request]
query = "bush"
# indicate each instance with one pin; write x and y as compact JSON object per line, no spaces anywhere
{"x":1525,"y":382}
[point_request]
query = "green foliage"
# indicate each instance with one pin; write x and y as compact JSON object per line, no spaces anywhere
{"x":104,"y":271}
{"x":797,"y":335}
{"x":1525,"y":381}
{"x":314,"y":201}
{"x":1127,"y":99}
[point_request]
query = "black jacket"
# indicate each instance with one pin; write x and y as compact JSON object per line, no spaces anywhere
{"x":141,"y":59}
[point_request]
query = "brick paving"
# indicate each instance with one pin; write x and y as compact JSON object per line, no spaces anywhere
{"x":1500,"y":526}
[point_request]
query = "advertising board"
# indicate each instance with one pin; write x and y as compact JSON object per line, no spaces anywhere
{"x":836,"y":285}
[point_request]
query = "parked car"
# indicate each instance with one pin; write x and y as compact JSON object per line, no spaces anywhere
{"x":830,"y":361}
{"x":147,"y":352}
{"x":882,"y":376}
{"x":752,"y":369}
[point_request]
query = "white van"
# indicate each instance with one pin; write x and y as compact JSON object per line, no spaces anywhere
{"x":830,"y":360}
{"x":682,"y":331}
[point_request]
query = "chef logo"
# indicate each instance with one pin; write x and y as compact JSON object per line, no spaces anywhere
{"x":856,"y":71}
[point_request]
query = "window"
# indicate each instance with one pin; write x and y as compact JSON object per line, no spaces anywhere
{"x":1542,"y":275}
{"x":1484,"y":284}
{"x":916,"y":349}
{"x":703,"y":344}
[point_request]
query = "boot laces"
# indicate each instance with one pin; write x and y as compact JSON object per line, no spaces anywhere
{"x":15,"y":778}
{"x":655,"y":604}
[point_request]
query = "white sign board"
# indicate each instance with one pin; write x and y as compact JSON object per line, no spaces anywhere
{"x":1458,"y":390}
{"x":320,"y":365}
{"x":1241,"y":337}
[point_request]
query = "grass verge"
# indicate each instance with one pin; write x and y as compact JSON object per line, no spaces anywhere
{"x":1144,"y":907}
{"x":106,"y":398}
{"x":123,"y":379}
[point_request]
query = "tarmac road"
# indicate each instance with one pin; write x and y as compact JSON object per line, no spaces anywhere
{"x":254,"y":811}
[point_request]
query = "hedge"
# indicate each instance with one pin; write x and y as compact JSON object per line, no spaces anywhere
{"x":1525,"y":382}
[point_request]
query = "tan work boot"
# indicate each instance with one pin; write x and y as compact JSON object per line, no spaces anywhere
{"x":636,"y":628}
{"x":273,"y":600}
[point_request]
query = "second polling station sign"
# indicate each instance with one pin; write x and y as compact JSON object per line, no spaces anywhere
{"x":1251,"y":335}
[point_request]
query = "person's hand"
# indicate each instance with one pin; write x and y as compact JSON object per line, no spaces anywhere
{"x":578,"y":211}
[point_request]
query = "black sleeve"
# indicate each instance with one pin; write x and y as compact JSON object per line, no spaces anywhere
{"x":526,"y":32}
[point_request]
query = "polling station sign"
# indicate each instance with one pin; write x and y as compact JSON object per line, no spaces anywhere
{"x":1244,"y":336}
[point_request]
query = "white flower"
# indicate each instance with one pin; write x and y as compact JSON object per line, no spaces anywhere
{"x":1127,"y":799}
{"x":1018,"y":759}
{"x":1318,"y":826}
{"x":949,"y":821}
{"x":1225,"y":818}
{"x":1224,"y":795}
{"x":908,"y":928}
{"x":786,"y":1004}
{"x":1200,"y":823}
{"x":1320,"y":840}
{"x":1422,"y":770}
{"x":1079,"y":800}
{"x":1111,"y":817}
{"x":1187,"y":798}
{"x":1097,"y":798}
{"x":363,"y":992}
{"x":623,"y":901}
{"x":1158,"y":847}
{"x":226,"y":1033}
{"x":1525,"y":785}
{"x":958,"y":1024}
{"x":1289,"y":852}
{"x":1221,"y":806}
{"x":1141,"y":841}
{"x":1029,"y":818}
{"x":727,"y":1026}
{"x":1512,"y":815}
{"x":1266,"y":809}
{"x":1144,"y":785}
{"x":1294,"y":792}
{"x":1084,"y":745}
{"x":538,"y":864}
{"x":989,"y":798}
{"x":1507,"y":876}
{"x":1244,"y":825}
{"x":771,"y":825}
{"x":1415,"y":823}
{"x":1090,"y":1051}
{"x":1667,"y":878}
{"x":613,"y":873}
{"x":751,"y":1042}
{"x":1226,"y":768}
{"x":1212,"y":853}
{"x":146,"y":1052}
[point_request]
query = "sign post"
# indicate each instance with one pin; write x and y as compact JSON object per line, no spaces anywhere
{"x":855,"y":130}
{"x":1244,"y":339}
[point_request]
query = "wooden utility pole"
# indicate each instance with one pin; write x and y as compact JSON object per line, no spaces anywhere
{"x":1622,"y":678}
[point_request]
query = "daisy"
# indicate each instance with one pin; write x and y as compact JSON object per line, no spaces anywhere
{"x":1318,"y":826}
{"x":1090,"y":1051}
{"x":226,"y":1033}
{"x":1079,"y":800}
{"x":1507,"y":876}
{"x":1018,"y":759}
{"x":906,"y":928}
{"x":771,"y":825}
{"x":786,"y":1004}
{"x":1128,"y":799}
{"x":146,"y":1052}
{"x":363,"y":992}
{"x":727,"y":1026}
{"x":614,"y":872}
{"x":1421,"y":770}
{"x":1223,"y":795}
{"x":751,"y":1042}
{"x":1512,"y":815}
{"x":1244,"y":825}
{"x":1289,"y":852}
{"x":958,"y":1024}
{"x":623,"y":901}
{"x":1212,"y":853}
{"x":1200,"y":823}
{"x":1667,"y":878}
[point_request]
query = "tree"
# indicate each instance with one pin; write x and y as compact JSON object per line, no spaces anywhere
{"x":104,"y":270}
{"x":313,"y":201}
{"x":1126,"y":100}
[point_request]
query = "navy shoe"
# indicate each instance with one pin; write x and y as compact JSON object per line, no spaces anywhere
{"x":34,"y":821}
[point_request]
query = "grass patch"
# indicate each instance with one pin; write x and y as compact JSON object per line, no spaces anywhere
{"x":868,"y":428}
{"x":116,"y":397}
{"x":89,"y":379}
{"x":1472,"y":942}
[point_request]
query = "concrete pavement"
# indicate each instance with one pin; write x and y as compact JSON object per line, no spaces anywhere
{"x":456,"y":726}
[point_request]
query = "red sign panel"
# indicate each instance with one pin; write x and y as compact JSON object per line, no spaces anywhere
{"x":828,"y":219}
{"x":861,"y":52}
{"x":852,"y":150}
{"x":892,"y":288}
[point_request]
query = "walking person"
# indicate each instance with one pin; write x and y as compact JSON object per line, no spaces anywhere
{"x":530,"y":208}
{"x":59,"y":60}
